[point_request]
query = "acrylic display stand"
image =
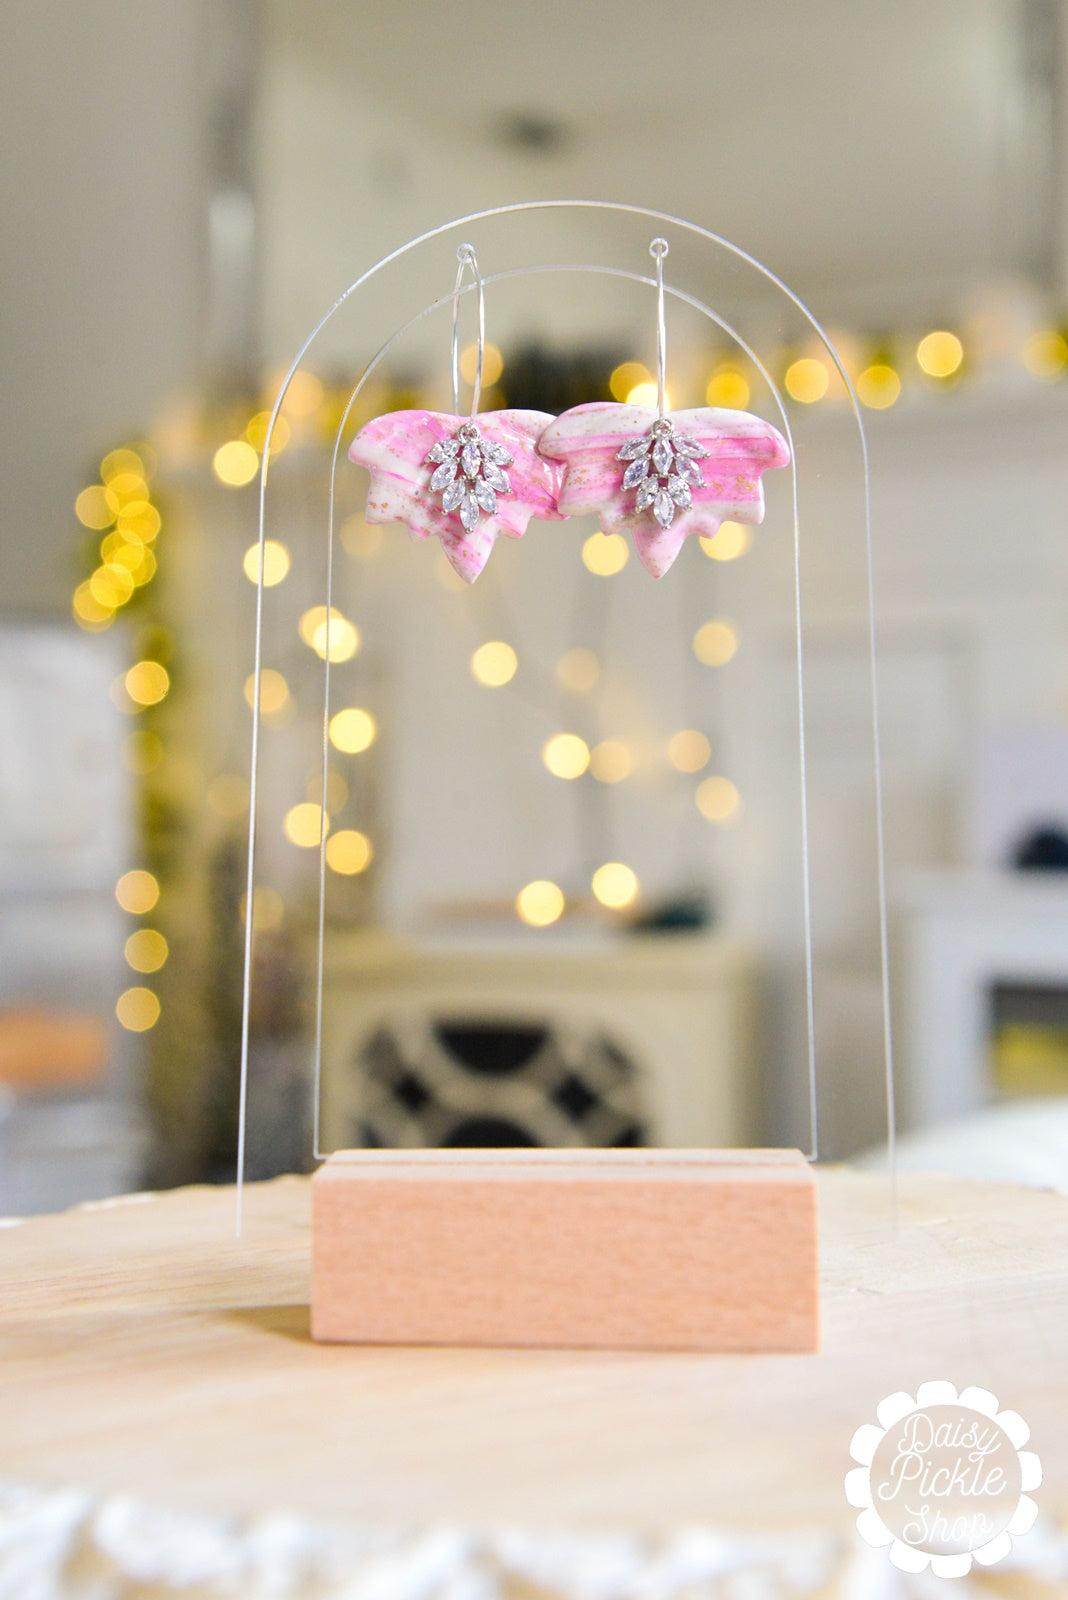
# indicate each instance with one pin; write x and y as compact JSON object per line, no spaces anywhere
{"x":652,"y":1248}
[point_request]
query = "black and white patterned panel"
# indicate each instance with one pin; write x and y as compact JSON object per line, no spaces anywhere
{"x":455,"y":1082}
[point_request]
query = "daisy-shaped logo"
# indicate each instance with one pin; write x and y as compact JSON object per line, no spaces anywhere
{"x":943,"y":1479}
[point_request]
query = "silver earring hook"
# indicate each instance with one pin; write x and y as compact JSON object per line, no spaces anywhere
{"x":659,"y":249}
{"x":467,"y":259}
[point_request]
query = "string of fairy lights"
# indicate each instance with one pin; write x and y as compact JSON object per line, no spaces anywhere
{"x":121,"y":514}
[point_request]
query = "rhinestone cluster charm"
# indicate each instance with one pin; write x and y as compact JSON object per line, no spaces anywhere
{"x":469,"y":474}
{"x":663,"y":470}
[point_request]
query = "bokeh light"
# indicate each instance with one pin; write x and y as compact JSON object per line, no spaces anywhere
{"x":715,"y":642}
{"x":718,"y":799}
{"x":362,"y":539}
{"x":137,"y":1009}
{"x":615,"y":885}
{"x":611,"y":761}
{"x":566,"y":755}
{"x":540,"y":903}
{"x":147,"y":683}
{"x":344,"y":635}
{"x":605,"y":554}
{"x":807,"y":380}
{"x":1045,"y":353}
{"x":494,"y":664}
{"x":146,"y":950}
{"x":878,"y":386}
{"x":730,"y":540}
{"x":304,"y":395}
{"x":137,"y":891}
{"x":88,"y":612}
{"x":348,"y":852}
{"x":276,"y":562}
{"x":268,"y":909}
{"x":274,"y":691}
{"x":689,"y":750}
{"x":352,"y":730}
{"x":235,"y":463}
{"x":647,"y":394}
{"x":626,"y":377}
{"x":139,"y":520}
{"x":939,"y":354}
{"x":121,"y":463}
{"x":492,"y":364}
{"x":256,"y":432}
{"x":303,"y":824}
{"x":142,"y":752}
{"x":92,"y":508}
{"x":727,"y":387}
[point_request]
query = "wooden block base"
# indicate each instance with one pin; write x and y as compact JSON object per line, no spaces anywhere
{"x":607,"y":1249}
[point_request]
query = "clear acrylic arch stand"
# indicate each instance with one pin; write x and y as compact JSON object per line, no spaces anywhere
{"x":607,"y":1248}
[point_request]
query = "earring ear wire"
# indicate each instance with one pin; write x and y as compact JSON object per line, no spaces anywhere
{"x":468,"y":261}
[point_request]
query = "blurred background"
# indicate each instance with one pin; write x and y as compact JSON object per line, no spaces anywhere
{"x":564,"y":868}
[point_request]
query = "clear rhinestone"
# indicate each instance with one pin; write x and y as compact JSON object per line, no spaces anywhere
{"x":634,"y":447}
{"x":469,"y":511}
{"x":664,"y":509}
{"x":470,"y":460}
{"x":495,"y":452}
{"x":486,"y":497}
{"x":647,"y":493}
{"x":690,"y":471}
{"x":444,"y":474}
{"x":443,"y":450}
{"x":679,"y":490}
{"x":689,"y":447}
{"x":453,"y":494}
{"x":663,"y":455}
{"x":496,"y":478}
{"x":636,"y":472}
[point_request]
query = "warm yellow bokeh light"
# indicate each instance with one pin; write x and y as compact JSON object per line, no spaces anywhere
{"x":611,"y":761}
{"x":689,"y":750}
{"x":119,"y":462}
{"x":939,"y":354}
{"x":615,"y":885}
{"x":137,"y":892}
{"x":540,"y":903}
{"x":274,"y":691}
{"x":304,"y":395}
{"x":878,"y":386}
{"x":362,"y":539}
{"x":147,"y":683}
{"x":494,"y":664}
{"x":348,"y":852}
{"x":647,"y":394}
{"x":126,"y":488}
{"x":492,"y":364}
{"x":139,"y":521}
{"x":807,"y":380}
{"x":605,"y":554}
{"x":566,"y":755}
{"x":627,"y":377}
{"x":88,"y":612}
{"x":142,"y":752}
{"x":235,"y":463}
{"x":92,"y":509}
{"x":256,"y":432}
{"x":276,"y":562}
{"x":727,"y":387}
{"x":352,"y":730}
{"x":730,"y":540}
{"x":344,"y":635}
{"x":718,"y":799}
{"x":578,"y":670}
{"x":715,"y":642}
{"x":1046,"y":353}
{"x":111,"y":585}
{"x":146,"y":950}
{"x":268,"y":909}
{"x":303,"y":824}
{"x":228,"y":795}
{"x":137,"y":1009}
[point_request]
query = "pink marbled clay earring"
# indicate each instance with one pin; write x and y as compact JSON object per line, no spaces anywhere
{"x":662,"y":475}
{"x":465,"y":479}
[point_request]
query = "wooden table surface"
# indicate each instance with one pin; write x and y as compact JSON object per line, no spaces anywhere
{"x":143,"y":1349}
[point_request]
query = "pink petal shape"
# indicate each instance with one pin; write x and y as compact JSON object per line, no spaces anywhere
{"x":394,"y":449}
{"x":587,"y":439}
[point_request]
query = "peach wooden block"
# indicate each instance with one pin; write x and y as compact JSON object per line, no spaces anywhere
{"x":608,"y":1249}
